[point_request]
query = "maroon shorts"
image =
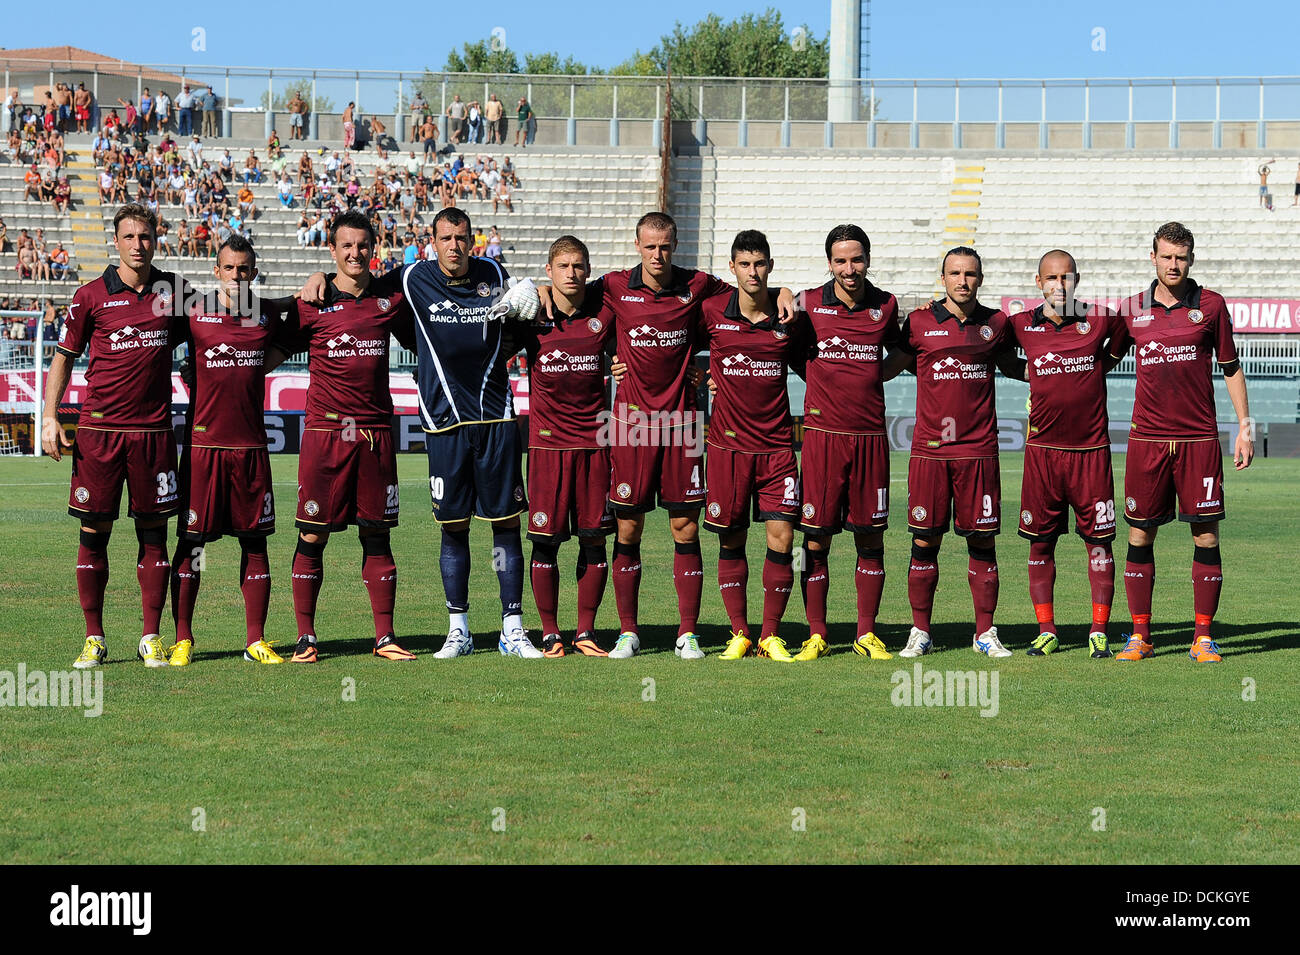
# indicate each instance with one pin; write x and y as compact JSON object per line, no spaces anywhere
{"x":342,"y":482}
{"x":1157,"y":470}
{"x":845,"y":482}
{"x":1057,"y":479}
{"x":766,"y":483}
{"x":646,"y":462}
{"x":102,"y":460}
{"x":568,"y":494}
{"x":226,"y":491}
{"x":969,"y":490}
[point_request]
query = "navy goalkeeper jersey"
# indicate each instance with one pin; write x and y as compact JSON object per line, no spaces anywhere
{"x":461,"y":375}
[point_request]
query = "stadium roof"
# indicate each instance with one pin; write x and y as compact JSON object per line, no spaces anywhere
{"x":41,"y":59}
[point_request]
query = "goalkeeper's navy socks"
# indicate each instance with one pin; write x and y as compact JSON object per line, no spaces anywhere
{"x":454,"y":564}
{"x":508,"y":559}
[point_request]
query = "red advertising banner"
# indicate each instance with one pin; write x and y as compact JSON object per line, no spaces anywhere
{"x":1261,"y":316}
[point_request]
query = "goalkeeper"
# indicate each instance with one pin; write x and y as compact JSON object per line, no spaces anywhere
{"x":463,"y":343}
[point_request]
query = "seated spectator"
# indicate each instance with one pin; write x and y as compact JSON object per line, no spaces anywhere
{"x":185,"y":244}
{"x":304,"y":168}
{"x":26,"y":262}
{"x":196,"y":153}
{"x":252,"y":170}
{"x":285,"y":190}
{"x":352,"y":191}
{"x":118,"y":192}
{"x":272,"y":145}
{"x":163,"y":239}
{"x":332,"y":167}
{"x":247,"y":208}
{"x":493,"y":250}
{"x":62,"y":195}
{"x":32,"y":183}
{"x":202,"y":238}
{"x":410,"y":251}
{"x":175,"y":188}
{"x":508,"y":172}
{"x":14,"y":147}
{"x":227,"y":166}
{"x":502,"y":195}
{"x":4,"y":236}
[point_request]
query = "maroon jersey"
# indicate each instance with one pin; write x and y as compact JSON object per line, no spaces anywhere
{"x":847,"y":348}
{"x":346,"y":340}
{"x":750,"y":362}
{"x":1175,"y":390}
{"x":228,"y":353}
{"x":130,"y":336}
{"x":1066,"y":367}
{"x":656,"y":332}
{"x":955,"y":413}
{"x":566,"y":391}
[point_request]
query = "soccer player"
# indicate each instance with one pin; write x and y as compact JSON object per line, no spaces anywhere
{"x":953,"y":472}
{"x":656,"y":447}
{"x":845,"y":452}
{"x":568,"y":469}
{"x":466,"y":409}
{"x":347,"y":467}
{"x":130,"y":320}
{"x":1176,"y":326}
{"x":1067,"y":346}
{"x":751,"y":458}
{"x":226,"y":469}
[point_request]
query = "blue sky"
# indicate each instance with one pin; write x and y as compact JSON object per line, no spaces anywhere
{"x":1014,"y":38}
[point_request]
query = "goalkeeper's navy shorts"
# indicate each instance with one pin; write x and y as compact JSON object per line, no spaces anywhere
{"x":475,"y":470}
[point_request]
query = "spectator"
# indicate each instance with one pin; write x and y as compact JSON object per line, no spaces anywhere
{"x":491,"y":178}
{"x":132,"y":114}
{"x":525,"y":114}
{"x":81,"y":102}
{"x":297,"y":112}
{"x":185,"y":239}
{"x":62,"y":196}
{"x":379,"y":134}
{"x":252,"y":170}
{"x":196,"y":153}
{"x":502,"y":195}
{"x":227,"y":166}
{"x":349,"y":127}
{"x":163,"y":239}
{"x":247,"y":207}
{"x":1263,"y":180}
{"x":419,"y":109}
{"x":273,"y":143}
{"x":429,"y":136}
{"x":479,"y":249}
{"x":414,"y":167}
{"x":147,"y":115}
{"x":456,"y":120}
{"x":4,"y":236}
{"x":105,"y":185}
{"x":63,"y":96}
{"x":352,"y":191}
{"x":508,"y":173}
{"x":32,"y":184}
{"x":475,"y":123}
{"x":184,"y":111}
{"x":333,"y":165}
{"x":202,"y":239}
{"x":26,"y":262}
{"x":410,"y":251}
{"x":493,"y":250}
{"x":164,"y":109}
{"x":209,"y":103}
{"x":494,"y":116}
{"x":304,"y":168}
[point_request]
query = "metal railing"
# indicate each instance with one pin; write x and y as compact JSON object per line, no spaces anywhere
{"x":1127,"y":112}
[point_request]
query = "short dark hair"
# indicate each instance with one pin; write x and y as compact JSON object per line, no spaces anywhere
{"x":750,"y":240}
{"x":657,"y":221}
{"x":847,"y":233}
{"x":452,"y":215}
{"x":352,"y":219}
{"x":1074,"y":266}
{"x":138,"y":212}
{"x":239,"y":245}
{"x":963,"y":250}
{"x":1175,"y":233}
{"x":565,"y":245}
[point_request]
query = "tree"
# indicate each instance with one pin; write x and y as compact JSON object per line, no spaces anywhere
{"x":749,"y":46}
{"x":481,"y":58}
{"x":550,"y":63}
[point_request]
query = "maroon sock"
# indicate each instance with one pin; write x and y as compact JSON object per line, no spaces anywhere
{"x":1042,"y":582}
{"x":815,"y":582}
{"x":185,"y":588}
{"x":627,"y":584}
{"x":153,"y":569}
{"x":544,"y":575}
{"x":922,"y":579}
{"x":870,"y":580}
{"x":983,"y":576}
{"x":733,"y":582}
{"x":688,"y":578}
{"x":1139,"y":582}
{"x":308,"y":574}
{"x":1101,"y":580}
{"x":379,"y":574}
{"x":778,"y":581}
{"x":92,"y":579}
{"x":255,"y":582}
{"x":1207,"y":582}
{"x":593,"y":571}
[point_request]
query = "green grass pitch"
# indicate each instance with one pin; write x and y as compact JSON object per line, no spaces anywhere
{"x":495,"y":759}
